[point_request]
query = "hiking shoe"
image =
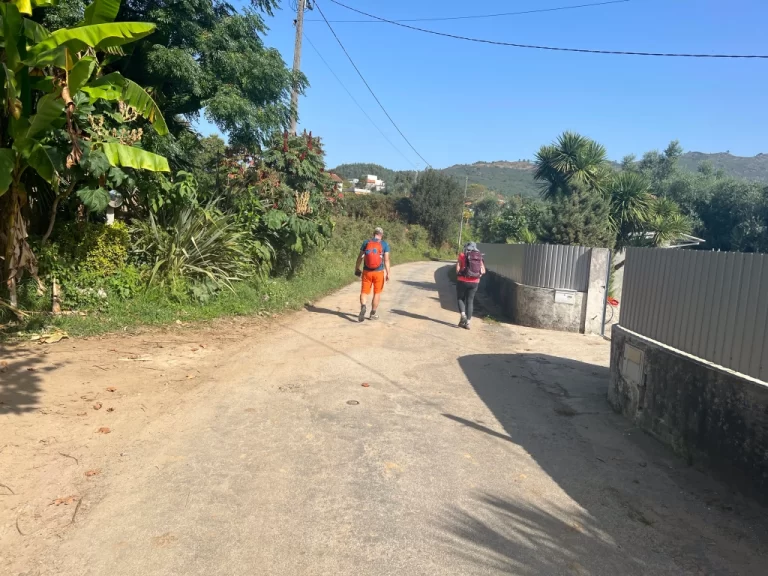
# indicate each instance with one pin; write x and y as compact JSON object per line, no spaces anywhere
{"x":462,"y":321}
{"x":361,"y":316}
{"x":466,"y":325}
{"x":374,"y":315}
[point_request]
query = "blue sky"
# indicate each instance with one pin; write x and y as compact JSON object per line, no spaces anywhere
{"x":460,"y":102}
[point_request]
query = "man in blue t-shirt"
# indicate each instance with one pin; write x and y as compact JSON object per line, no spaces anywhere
{"x":374,"y":256}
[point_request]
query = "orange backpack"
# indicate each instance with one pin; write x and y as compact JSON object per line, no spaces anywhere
{"x":374,"y":252}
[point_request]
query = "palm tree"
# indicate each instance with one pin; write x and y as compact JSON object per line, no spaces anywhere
{"x":666,"y":222}
{"x":573,"y":159}
{"x":631,"y":201}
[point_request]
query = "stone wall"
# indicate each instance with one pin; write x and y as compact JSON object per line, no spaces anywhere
{"x":536,"y":307}
{"x":706,"y":414}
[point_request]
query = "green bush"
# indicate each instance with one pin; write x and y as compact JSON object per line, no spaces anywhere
{"x":97,"y":248}
{"x":200,"y":247}
{"x":89,"y":261}
{"x":372,"y":208}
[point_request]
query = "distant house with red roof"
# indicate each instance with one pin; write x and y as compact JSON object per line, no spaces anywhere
{"x":338,"y":183}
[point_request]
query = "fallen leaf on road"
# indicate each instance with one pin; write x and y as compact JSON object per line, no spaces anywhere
{"x":97,"y":406}
{"x":110,"y":409}
{"x":103,"y":430}
{"x":201,"y":345}
{"x":366,"y":385}
{"x":90,"y":473}
{"x":67,"y":500}
{"x":31,"y":369}
{"x":111,"y":389}
{"x":190,"y":376}
{"x":53,"y":337}
{"x":82,"y":413}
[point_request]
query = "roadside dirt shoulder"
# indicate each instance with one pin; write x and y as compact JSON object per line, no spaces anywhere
{"x":73,"y":411}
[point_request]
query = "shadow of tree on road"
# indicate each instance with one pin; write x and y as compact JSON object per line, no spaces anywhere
{"x":505,"y":537}
{"x":631,"y":506}
{"x":20,"y":380}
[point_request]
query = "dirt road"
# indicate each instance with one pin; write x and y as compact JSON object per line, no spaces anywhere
{"x":254,"y":448}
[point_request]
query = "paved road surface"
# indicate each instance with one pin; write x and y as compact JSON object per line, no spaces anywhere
{"x":484,"y":452}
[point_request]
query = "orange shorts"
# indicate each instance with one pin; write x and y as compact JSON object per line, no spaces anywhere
{"x":373,"y":280}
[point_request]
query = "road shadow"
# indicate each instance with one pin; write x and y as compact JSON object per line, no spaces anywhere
{"x":445,"y":287}
{"x":500,"y":536}
{"x":20,"y":380}
{"x":422,"y":317}
{"x":340,"y":314}
{"x":431,"y":286}
{"x":623,"y":512}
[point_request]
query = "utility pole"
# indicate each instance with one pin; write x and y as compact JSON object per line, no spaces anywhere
{"x":297,"y":62}
{"x":461,"y":223}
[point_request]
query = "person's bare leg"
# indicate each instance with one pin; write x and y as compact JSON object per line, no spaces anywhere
{"x":375,"y":303}
{"x":363,"y":300}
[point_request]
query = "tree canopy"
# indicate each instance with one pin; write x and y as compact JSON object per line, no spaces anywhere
{"x":438,"y":201}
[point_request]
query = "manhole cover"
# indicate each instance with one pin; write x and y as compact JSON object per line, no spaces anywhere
{"x":353,"y":402}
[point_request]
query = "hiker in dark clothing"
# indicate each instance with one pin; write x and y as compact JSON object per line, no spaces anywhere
{"x":469,"y":268}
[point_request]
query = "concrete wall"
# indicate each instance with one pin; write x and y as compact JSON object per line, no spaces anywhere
{"x":708,"y":415}
{"x":536,"y":307}
{"x":549,"y":306}
{"x":597,"y":287}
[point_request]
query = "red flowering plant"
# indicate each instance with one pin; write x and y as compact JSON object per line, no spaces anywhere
{"x":283,"y":195}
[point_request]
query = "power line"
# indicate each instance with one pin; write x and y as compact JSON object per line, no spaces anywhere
{"x":368,"y":85}
{"x":551,"y":48}
{"x":358,"y":103}
{"x":478,"y":16}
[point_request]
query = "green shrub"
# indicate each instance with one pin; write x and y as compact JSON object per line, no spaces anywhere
{"x":96,"y":247}
{"x":89,"y":261}
{"x":200,"y":246}
{"x":378,"y":208}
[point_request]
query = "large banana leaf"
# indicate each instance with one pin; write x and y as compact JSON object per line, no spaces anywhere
{"x":12,"y":34}
{"x":130,"y":157}
{"x":80,"y":74}
{"x":115,"y":87}
{"x":35,"y":31}
{"x":97,"y":36}
{"x":24,"y":6}
{"x":101,"y":11}
{"x":7,"y":161}
{"x":37,"y":156}
{"x":49,"y":108}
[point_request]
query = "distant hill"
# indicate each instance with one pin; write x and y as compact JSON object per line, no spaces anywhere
{"x":506,"y":178}
{"x":513,"y":178}
{"x":749,"y":167}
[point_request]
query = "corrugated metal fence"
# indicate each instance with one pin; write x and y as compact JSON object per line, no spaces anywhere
{"x":713,"y":305}
{"x":544,"y":265}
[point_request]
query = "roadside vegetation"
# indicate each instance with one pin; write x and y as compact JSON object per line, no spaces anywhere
{"x":114,"y":212}
{"x":654,"y":201}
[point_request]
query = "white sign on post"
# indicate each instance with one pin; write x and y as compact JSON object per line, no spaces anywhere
{"x":563,"y":297}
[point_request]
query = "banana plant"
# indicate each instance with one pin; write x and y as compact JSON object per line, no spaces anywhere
{"x":43,"y":77}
